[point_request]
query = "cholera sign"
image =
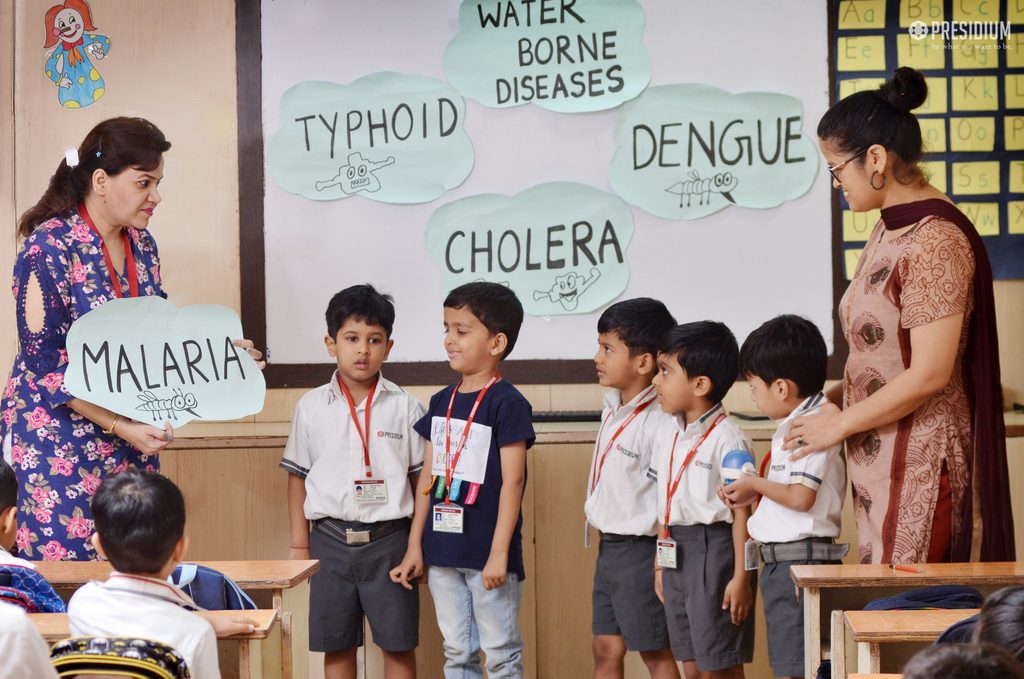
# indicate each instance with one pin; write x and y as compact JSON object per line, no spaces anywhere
{"x":146,"y":359}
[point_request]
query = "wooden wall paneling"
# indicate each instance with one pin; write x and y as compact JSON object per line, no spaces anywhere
{"x":577,"y":397}
{"x":1009,"y":297}
{"x":8,"y":179}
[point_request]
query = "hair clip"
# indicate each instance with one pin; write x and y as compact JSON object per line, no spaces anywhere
{"x":98,"y":154}
{"x":71,"y":157}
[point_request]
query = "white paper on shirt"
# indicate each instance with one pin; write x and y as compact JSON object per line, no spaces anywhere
{"x":472,"y":465}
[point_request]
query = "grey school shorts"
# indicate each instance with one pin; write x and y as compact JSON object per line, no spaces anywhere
{"x":697,"y":626}
{"x":784,"y":617}
{"x":624,"y":600}
{"x":353,"y":581}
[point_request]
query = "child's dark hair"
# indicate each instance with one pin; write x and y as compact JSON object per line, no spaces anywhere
{"x":640,"y":323}
{"x":787,"y":347}
{"x":963,"y":661}
{"x":363,"y":303}
{"x":1001,"y":621}
{"x":8,"y":486}
{"x":881,"y":116}
{"x":495,"y":305}
{"x":705,"y":348}
{"x":140,"y":516}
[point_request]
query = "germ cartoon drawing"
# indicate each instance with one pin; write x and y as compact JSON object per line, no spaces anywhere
{"x":357,"y":175}
{"x":722,"y":183}
{"x":68,"y":65}
{"x":568,"y":288}
{"x":178,"y":403}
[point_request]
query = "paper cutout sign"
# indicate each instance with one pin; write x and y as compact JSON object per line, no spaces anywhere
{"x":146,"y":359}
{"x":68,"y":64}
{"x":687,"y":151}
{"x":563,"y":55}
{"x":390,"y":137}
{"x":561,"y":246}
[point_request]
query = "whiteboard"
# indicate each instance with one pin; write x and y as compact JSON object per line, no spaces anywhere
{"x":739,"y":266}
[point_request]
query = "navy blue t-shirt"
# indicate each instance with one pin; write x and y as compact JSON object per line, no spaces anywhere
{"x":508,"y":418}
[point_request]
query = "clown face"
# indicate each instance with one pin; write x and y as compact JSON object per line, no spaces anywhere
{"x":68,"y":25}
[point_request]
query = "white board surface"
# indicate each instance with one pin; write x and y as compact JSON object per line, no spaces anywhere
{"x":740,"y":266}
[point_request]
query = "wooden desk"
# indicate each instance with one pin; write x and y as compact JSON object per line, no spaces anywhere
{"x":870,"y":629}
{"x":287,"y":581}
{"x":54,"y":627}
{"x":869,"y":578}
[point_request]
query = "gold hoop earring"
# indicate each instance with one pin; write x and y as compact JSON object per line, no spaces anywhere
{"x":872,"y":181}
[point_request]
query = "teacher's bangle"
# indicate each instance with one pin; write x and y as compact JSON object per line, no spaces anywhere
{"x":113,"y":424}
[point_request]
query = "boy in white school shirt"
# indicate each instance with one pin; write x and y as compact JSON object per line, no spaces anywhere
{"x":23,"y":653}
{"x":784,"y":361}
{"x":140,"y":523}
{"x":9,"y":518}
{"x":700,"y":571}
{"x":353,"y":461}
{"x":627,"y":614}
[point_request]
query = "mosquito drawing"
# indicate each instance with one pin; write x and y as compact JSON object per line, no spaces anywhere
{"x":722,"y":183}
{"x":178,"y":403}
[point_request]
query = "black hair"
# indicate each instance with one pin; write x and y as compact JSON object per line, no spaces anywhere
{"x":363,"y":303}
{"x":140,"y":516}
{"x":1001,"y":621}
{"x":640,"y":323}
{"x":787,"y":347}
{"x":8,"y":486}
{"x":963,"y":661}
{"x":495,"y":305}
{"x":705,"y":348}
{"x":881,"y":116}
{"x":113,"y":146}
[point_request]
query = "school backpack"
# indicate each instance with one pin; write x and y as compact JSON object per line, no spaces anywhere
{"x":210,"y":589}
{"x":951,"y":597}
{"x":123,"y":657}
{"x":27,"y":588}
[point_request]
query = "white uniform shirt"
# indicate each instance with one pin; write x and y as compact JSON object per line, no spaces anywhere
{"x":696,"y":500}
{"x":624,"y":498}
{"x":23,"y":653}
{"x":145,"y":608}
{"x":325,"y":449}
{"x":8,"y":559}
{"x":822,"y":472}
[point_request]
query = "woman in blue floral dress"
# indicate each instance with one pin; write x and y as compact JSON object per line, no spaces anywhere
{"x":85,"y":243}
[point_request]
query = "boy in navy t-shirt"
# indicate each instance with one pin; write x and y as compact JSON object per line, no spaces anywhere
{"x":467,"y":526}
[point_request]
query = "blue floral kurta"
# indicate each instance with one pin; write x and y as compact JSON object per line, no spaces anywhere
{"x":59,"y":456}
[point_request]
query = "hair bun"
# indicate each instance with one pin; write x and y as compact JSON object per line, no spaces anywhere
{"x":905,"y":91}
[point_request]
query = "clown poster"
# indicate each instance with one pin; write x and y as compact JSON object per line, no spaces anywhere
{"x":69,"y":64}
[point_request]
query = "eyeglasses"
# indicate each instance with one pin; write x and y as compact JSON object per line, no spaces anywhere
{"x":834,"y":171}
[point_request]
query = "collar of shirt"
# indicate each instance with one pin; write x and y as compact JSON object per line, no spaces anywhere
{"x":702,"y":424}
{"x":808,"y":404}
{"x":151,"y":587}
{"x":383,"y":385}
{"x":613,"y":399}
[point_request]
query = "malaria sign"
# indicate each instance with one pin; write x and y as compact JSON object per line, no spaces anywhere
{"x":146,"y":359}
{"x":687,"y":151}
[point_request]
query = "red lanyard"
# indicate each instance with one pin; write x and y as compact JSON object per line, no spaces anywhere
{"x":363,"y":435}
{"x":672,"y":486}
{"x":598,"y":466}
{"x":449,"y":461}
{"x":133,"y":275}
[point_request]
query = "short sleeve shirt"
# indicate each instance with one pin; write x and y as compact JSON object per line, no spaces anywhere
{"x":503,"y":418}
{"x":696,"y":500}
{"x":824,"y":473}
{"x":325,"y":448}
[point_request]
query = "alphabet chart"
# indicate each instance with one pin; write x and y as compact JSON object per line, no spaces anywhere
{"x":972,"y":55}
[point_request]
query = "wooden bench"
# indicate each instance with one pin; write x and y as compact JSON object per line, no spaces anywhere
{"x":858,"y":584}
{"x":286,"y":581}
{"x":870,"y":629}
{"x":54,"y":627}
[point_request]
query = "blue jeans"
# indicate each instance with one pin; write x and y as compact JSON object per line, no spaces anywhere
{"x":474,"y":619}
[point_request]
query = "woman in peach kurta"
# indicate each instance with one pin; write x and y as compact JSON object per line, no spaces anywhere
{"x":922,"y":409}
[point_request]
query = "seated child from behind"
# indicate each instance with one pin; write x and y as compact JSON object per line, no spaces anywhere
{"x":621,"y":499}
{"x":353,"y":460}
{"x":140,"y":526}
{"x":784,"y":362}
{"x":9,"y":517}
{"x":700,"y":571}
{"x":468,"y":527}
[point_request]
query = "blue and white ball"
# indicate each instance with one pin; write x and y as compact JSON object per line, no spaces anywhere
{"x":736,"y":464}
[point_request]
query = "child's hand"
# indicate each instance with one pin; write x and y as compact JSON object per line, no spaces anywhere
{"x":299,"y":554}
{"x":495,"y":571}
{"x":657,"y":585}
{"x":739,"y":493}
{"x":409,"y":570}
{"x":738,"y":599}
{"x":230,"y":626}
